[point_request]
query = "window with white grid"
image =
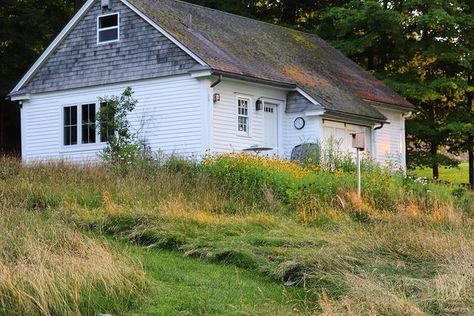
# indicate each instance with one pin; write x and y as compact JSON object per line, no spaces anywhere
{"x":243,"y":120}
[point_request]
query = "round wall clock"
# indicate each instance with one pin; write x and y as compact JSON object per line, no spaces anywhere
{"x":299,"y":123}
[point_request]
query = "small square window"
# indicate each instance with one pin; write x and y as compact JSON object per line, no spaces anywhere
{"x":108,"y":29}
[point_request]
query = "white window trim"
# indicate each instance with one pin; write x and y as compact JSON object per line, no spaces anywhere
{"x":98,"y":145}
{"x":249,"y":129}
{"x":108,"y":28}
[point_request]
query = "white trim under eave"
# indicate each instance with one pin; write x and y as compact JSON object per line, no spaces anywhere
{"x":315,"y":112}
{"x":200,"y":74}
{"x":20,"y":97}
{"x":165,"y":33}
{"x":54,"y":45}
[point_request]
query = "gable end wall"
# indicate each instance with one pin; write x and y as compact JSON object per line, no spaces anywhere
{"x":142,"y":53}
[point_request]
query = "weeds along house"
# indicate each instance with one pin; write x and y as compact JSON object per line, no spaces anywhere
{"x":203,"y":79}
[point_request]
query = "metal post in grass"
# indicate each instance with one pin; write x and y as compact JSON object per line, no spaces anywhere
{"x":358,"y":142}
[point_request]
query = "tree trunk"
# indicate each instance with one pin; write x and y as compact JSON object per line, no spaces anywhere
{"x":435,"y":166}
{"x":471,"y":165}
{"x":470,"y":100}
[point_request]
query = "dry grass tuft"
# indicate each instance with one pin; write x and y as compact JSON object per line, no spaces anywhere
{"x":48,"y":268}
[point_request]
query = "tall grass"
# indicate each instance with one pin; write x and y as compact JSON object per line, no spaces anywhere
{"x":405,"y":247}
{"x":47,"y":266}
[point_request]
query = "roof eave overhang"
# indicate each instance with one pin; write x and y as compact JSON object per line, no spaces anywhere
{"x":332,"y":114}
{"x":19,"y":97}
{"x":244,"y":77}
{"x":403,"y":108}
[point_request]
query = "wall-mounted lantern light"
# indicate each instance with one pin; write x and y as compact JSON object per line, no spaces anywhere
{"x":258,"y":105}
{"x":217,"y":97}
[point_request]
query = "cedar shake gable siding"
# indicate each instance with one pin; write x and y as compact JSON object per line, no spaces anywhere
{"x":141,"y":53}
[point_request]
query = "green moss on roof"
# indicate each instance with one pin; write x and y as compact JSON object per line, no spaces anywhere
{"x":243,"y":46}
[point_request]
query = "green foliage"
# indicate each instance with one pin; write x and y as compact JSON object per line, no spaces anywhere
{"x":260,"y":180}
{"x":123,"y":146}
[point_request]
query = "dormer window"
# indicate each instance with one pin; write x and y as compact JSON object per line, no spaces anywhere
{"x":108,"y":28}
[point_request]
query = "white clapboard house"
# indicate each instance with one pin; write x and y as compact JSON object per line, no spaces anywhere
{"x":204,"y":79}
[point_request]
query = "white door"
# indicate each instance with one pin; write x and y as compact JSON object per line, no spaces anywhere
{"x":271,"y":127}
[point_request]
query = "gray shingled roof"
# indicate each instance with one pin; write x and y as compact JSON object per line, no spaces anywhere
{"x":241,"y":46}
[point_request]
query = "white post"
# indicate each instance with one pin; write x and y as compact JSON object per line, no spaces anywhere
{"x":358,"y":173}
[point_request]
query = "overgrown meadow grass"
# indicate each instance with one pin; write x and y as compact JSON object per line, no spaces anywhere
{"x":405,"y":247}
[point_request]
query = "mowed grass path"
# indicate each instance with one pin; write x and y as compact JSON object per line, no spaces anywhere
{"x":454,"y":175}
{"x":190,"y":286}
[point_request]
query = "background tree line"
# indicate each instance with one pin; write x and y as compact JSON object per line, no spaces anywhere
{"x":423,"y":49}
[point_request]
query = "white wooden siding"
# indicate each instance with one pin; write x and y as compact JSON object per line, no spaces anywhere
{"x":294,"y":137}
{"x":225,"y":137}
{"x":341,"y":134}
{"x":169,"y":117}
{"x":389,"y":142}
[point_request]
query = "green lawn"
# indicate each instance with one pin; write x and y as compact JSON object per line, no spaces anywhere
{"x":187,"y":286}
{"x":454,"y":175}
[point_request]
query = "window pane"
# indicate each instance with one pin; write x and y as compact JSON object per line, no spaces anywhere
{"x":67,"y":116}
{"x":242,"y":124}
{"x":106,"y":130}
{"x":108,"y":21}
{"x":108,"y":35}
{"x":74,"y":135}
{"x":73,"y":115}
{"x":88,"y":134}
{"x":88,"y":113}
{"x":67,"y":136}
{"x":92,"y":113}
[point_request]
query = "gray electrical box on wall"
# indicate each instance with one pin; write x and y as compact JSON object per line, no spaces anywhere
{"x":358,"y":141}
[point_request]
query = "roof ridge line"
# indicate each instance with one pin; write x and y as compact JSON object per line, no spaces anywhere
{"x":245,"y":17}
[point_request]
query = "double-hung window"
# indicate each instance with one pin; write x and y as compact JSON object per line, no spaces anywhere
{"x":70,"y":125}
{"x":80,"y":126}
{"x":88,"y":124}
{"x":108,"y":28}
{"x":243,"y":119}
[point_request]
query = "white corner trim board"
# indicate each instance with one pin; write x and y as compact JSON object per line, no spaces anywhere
{"x":73,"y":22}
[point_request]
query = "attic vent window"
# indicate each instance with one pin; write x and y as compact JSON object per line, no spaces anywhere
{"x":108,"y":28}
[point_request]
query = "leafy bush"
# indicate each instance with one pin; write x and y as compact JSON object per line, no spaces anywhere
{"x":123,"y":146}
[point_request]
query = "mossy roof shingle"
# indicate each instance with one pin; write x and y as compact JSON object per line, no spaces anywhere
{"x":236,"y":45}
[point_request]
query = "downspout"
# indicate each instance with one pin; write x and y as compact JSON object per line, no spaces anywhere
{"x":374,"y":143}
{"x":219,"y":80}
{"x":379,"y":127}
